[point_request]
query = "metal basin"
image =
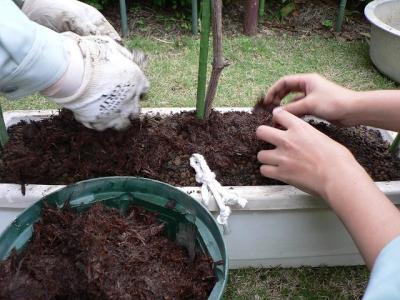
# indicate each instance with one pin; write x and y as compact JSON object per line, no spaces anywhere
{"x":384,"y":51}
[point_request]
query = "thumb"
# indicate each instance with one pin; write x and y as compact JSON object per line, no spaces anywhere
{"x":284,"y":118}
{"x":298,"y":107}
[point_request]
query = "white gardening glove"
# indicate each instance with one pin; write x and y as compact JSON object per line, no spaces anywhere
{"x":102,"y":85}
{"x":77,"y":17}
{"x":69,"y":15}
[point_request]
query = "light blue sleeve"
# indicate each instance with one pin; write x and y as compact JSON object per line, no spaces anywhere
{"x":32,"y":57}
{"x":384,"y":281}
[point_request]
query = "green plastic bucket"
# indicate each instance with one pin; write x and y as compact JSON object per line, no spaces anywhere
{"x":187,"y":221}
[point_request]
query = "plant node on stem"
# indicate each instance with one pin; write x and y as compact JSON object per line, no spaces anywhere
{"x":219,"y":63}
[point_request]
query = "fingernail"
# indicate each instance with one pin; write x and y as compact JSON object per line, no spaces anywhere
{"x":277,"y":110}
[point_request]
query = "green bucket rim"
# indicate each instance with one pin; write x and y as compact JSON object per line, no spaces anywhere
{"x":83,"y":194}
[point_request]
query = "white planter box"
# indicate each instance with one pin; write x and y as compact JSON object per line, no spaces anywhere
{"x":280,"y":226}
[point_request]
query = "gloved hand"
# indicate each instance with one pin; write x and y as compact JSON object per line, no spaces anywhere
{"x":102,"y":85}
{"x":69,"y":15}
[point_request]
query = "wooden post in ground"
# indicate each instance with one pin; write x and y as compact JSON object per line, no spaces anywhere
{"x":251,"y":17}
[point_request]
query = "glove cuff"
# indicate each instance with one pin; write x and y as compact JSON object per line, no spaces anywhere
{"x":74,"y":101}
{"x":72,"y":79}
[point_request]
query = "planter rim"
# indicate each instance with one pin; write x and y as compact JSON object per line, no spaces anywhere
{"x":273,"y":197}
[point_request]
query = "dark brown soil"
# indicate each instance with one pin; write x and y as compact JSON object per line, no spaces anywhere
{"x":100,"y":254}
{"x":61,"y":151}
{"x":317,"y":17}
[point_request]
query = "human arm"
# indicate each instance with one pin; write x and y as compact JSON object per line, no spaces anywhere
{"x":77,"y":17}
{"x":379,"y":109}
{"x":92,"y":76}
{"x":68,"y":15}
{"x":327,"y":100}
{"x":309,"y":160}
{"x":32,"y":57}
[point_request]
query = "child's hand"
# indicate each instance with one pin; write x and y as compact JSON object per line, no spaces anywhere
{"x":303,"y":157}
{"x":319,"y":97}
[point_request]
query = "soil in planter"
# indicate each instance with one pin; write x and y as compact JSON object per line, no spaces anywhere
{"x":59,"y":150}
{"x":101,"y":254}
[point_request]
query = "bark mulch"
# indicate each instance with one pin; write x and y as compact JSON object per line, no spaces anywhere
{"x":59,"y":150}
{"x":100,"y":254}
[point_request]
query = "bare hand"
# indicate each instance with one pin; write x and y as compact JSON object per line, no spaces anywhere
{"x":319,"y":97}
{"x":303,"y":157}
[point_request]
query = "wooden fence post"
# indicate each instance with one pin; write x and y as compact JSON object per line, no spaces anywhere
{"x":251,"y":17}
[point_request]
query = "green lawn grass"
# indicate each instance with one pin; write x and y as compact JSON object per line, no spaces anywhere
{"x":255,"y":63}
{"x":297,"y":283}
